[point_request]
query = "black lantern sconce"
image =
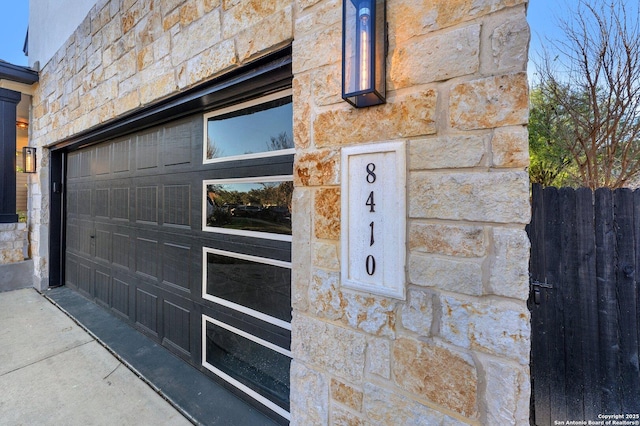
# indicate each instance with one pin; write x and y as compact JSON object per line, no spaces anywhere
{"x":29,"y":159}
{"x":364,"y":51}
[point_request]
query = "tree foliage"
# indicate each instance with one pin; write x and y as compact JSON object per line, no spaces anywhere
{"x":585,"y":109}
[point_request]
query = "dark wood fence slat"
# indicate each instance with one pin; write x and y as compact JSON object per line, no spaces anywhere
{"x":588,"y":295}
{"x":570,"y":289}
{"x":636,"y":227}
{"x":540,"y":362}
{"x":553,"y":244}
{"x":607,"y":306}
{"x":626,"y":297}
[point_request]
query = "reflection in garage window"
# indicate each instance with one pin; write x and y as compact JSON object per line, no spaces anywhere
{"x":258,"y":128}
{"x":244,"y":206}
{"x":261,"y":285}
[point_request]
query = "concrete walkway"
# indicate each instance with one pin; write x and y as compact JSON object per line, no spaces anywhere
{"x":54,"y":373}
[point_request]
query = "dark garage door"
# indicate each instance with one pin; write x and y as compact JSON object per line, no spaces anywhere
{"x":190,"y":241}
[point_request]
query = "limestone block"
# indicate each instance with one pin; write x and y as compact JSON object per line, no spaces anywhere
{"x":325,"y":255}
{"x":417,"y":312}
{"x":510,"y":264}
{"x":325,"y":298}
{"x":408,"y":18}
{"x":248,"y":13}
{"x":300,"y":247}
{"x":209,"y":5}
{"x":509,"y":45}
{"x":213,"y":61}
{"x":501,"y":197}
{"x":317,"y":49}
{"x":374,"y":315}
{"x":149,"y":28}
{"x":346,"y":395}
{"x":492,"y":326}
{"x":170,"y":20}
{"x":338,"y":350}
{"x":326,"y":222}
{"x":327,"y":14}
{"x":431,"y":58}
{"x":190,"y":12}
{"x":506,"y":392}
{"x":490,"y":102}
{"x":326,"y":86}
{"x":460,"y":276}
{"x":169,"y":6}
{"x":275,"y":30}
{"x":303,"y":4}
{"x":340,"y":417}
{"x":450,"y":240}
{"x":406,"y":116}
{"x":379,"y":357}
{"x":436,"y":374}
{"x":387,"y":407}
{"x":448,"y":152}
{"x":158,"y":88}
{"x":317,"y":168}
{"x":309,"y":396}
{"x":199,"y":36}
{"x":301,"y":111}
{"x":510,"y":147}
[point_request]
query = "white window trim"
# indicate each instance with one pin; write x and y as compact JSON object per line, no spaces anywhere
{"x":255,"y":395}
{"x":248,"y":104}
{"x":237,"y":307}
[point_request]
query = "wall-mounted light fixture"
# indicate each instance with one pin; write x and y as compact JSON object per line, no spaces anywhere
{"x":364,"y":48}
{"x":29,"y":159}
{"x":22,"y":125}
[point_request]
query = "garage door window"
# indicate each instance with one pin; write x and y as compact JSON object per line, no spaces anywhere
{"x":254,"y":129}
{"x":258,"y":207}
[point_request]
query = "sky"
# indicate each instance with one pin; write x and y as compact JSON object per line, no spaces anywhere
{"x":14,"y":20}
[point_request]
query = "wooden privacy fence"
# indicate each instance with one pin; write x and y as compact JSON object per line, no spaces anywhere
{"x":585,"y":304}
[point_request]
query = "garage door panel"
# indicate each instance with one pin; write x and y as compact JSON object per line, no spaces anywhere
{"x":101,"y":203}
{"x":146,"y":313}
{"x":146,"y":257}
{"x":102,"y":286}
{"x":147,"y":149}
{"x":176,"y":202}
{"x":120,"y":294}
{"x":103,"y":242}
{"x":179,"y":142}
{"x":121,"y":243}
{"x":176,"y":265}
{"x":121,"y":157}
{"x":84,"y":280}
{"x":176,"y":327}
{"x":147,"y":204}
{"x":102,"y":159}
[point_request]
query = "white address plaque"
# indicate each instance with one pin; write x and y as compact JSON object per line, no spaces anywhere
{"x":373,"y":218}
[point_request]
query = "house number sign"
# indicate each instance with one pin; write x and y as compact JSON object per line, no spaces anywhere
{"x":373,"y":222}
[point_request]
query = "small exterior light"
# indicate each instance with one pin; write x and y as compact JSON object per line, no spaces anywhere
{"x":29,"y":159}
{"x":363,"y":52}
{"x":22,"y":125}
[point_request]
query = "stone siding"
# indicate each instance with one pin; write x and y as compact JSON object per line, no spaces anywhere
{"x":13,"y":237}
{"x":456,"y":351}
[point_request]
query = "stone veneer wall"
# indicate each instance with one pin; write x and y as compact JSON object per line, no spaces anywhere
{"x":457,"y":350}
{"x":12,"y":241}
